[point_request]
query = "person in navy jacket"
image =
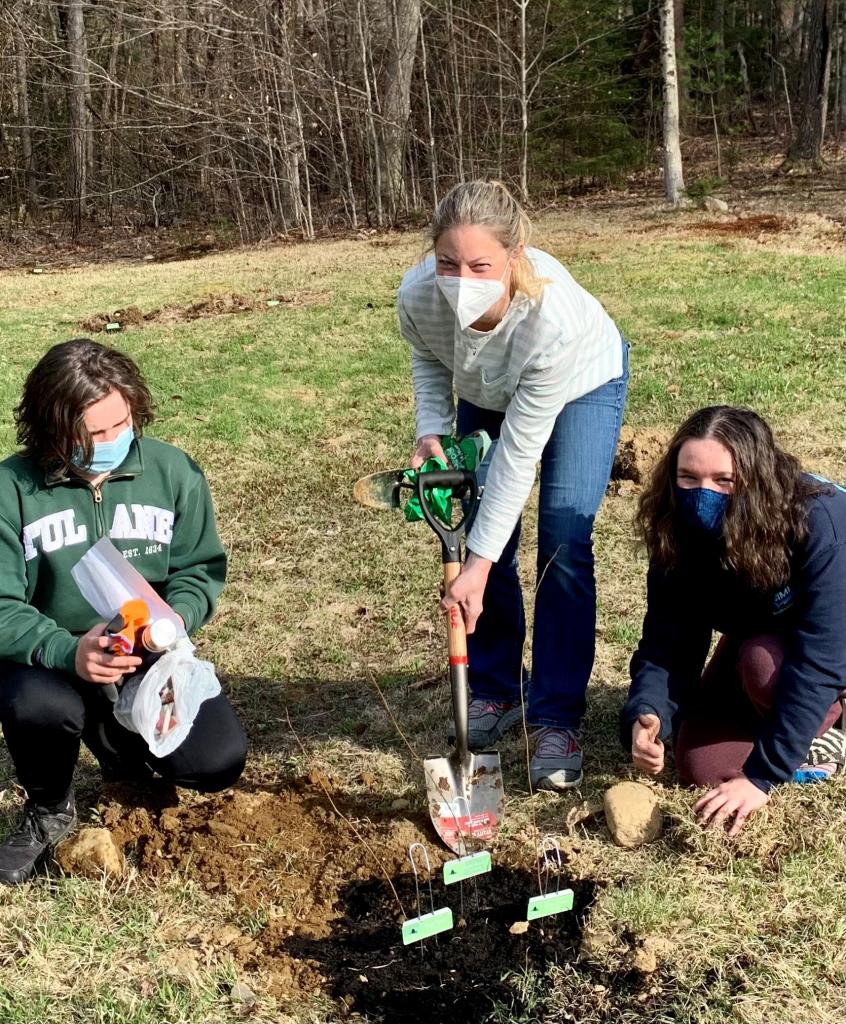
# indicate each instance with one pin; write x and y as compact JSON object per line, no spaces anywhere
{"x":744,"y":543}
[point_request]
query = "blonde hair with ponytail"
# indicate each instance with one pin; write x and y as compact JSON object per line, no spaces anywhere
{"x":489,"y":205}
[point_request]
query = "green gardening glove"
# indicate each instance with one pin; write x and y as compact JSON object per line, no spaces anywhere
{"x":466,"y":453}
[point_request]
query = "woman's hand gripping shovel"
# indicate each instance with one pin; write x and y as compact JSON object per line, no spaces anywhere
{"x":464,"y":789}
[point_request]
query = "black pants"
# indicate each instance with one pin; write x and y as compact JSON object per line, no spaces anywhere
{"x":45,"y":713}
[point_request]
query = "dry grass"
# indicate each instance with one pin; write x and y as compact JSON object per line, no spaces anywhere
{"x":326,"y":601}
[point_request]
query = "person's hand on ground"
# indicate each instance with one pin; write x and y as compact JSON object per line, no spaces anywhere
{"x":467,"y":590}
{"x":647,"y":749}
{"x":737,"y":798}
{"x":427,"y":446}
{"x":95,"y":664}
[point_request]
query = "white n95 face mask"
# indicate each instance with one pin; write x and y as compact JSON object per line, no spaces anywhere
{"x":470,"y":297}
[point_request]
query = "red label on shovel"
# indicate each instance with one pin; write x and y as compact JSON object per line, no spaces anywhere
{"x":472,"y":826}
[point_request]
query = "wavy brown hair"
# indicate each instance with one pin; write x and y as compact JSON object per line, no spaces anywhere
{"x":68,"y":378}
{"x":766,"y":513}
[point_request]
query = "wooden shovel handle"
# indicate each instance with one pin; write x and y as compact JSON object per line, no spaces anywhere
{"x":456,"y":635}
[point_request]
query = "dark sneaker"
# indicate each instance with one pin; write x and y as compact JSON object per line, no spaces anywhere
{"x":487,"y":722}
{"x":830,"y":748}
{"x":557,"y":760}
{"x":29,"y":846}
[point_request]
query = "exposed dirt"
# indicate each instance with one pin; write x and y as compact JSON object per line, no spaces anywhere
{"x":638,"y":450}
{"x":212,"y":305}
{"x":761,"y":223}
{"x":327,"y":897}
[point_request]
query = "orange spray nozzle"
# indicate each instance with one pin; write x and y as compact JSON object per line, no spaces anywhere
{"x":122,"y":630}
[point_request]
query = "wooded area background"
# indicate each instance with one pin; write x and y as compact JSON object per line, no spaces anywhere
{"x":309,"y":115}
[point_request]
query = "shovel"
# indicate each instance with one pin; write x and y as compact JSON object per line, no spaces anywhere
{"x":464,"y":790}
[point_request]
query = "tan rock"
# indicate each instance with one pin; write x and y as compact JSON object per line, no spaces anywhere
{"x":92,"y":852}
{"x":633,"y":814}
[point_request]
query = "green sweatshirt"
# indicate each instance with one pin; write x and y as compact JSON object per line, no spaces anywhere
{"x":157,"y":510}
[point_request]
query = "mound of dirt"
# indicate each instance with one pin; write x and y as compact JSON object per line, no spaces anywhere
{"x":129,"y":317}
{"x":332,"y":895}
{"x":759,"y":223}
{"x":637,"y":452}
{"x":210,"y":306}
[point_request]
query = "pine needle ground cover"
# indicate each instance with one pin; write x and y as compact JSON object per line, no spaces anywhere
{"x":282,"y":372}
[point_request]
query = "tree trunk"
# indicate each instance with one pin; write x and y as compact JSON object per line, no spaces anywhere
{"x":841,"y":106}
{"x":524,"y":105}
{"x":673,"y":175}
{"x":430,"y":129}
{"x":77,"y":93}
{"x":813,"y":85}
{"x":747,"y":92}
{"x":22,"y":93}
{"x":404,"y":23}
{"x":718,"y":27}
{"x":681,"y":72}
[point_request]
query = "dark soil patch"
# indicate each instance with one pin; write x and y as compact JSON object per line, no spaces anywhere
{"x":321,"y":902}
{"x":762,"y":223}
{"x":210,"y":306}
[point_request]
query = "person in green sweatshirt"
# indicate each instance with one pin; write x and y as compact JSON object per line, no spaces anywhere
{"x":85,"y":471}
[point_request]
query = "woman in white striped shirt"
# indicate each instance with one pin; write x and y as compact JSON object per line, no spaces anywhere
{"x":538,"y":363}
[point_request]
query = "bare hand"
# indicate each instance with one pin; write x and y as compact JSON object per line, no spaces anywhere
{"x":647,"y":749}
{"x":427,"y":446}
{"x":467,"y":590}
{"x":95,"y":664}
{"x":738,"y":798}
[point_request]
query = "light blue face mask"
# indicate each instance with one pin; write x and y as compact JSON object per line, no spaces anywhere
{"x":108,"y":455}
{"x":703,"y":509}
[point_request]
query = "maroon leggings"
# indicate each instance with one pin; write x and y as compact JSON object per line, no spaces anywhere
{"x":718,"y":731}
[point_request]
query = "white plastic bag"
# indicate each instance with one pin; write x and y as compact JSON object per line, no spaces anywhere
{"x":106,"y":580}
{"x":139,"y":704}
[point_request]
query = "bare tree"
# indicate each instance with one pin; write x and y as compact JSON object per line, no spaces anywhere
{"x":806,"y":144}
{"x":403,"y":18}
{"x":673,"y":175}
{"x":78,"y":118}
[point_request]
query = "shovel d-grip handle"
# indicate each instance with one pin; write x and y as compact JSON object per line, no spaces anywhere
{"x":464,"y":486}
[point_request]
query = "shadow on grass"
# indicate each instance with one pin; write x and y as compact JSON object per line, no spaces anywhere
{"x":321,"y":710}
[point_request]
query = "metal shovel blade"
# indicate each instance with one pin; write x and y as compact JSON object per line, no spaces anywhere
{"x":465,"y":799}
{"x":379,"y":490}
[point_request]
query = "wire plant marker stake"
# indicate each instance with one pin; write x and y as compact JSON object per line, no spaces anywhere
{"x":424,"y":926}
{"x":548,"y":903}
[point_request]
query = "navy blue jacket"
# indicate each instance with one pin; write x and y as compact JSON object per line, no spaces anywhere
{"x":684,"y":606}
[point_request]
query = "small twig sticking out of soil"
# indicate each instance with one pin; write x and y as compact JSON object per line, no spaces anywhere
{"x":392,"y":717}
{"x":347,"y":821}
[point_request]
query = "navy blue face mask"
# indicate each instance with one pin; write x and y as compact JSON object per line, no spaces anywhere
{"x":702,"y":509}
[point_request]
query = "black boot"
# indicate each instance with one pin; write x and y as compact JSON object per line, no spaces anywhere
{"x":29,"y":846}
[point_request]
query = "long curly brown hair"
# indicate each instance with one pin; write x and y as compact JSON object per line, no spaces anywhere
{"x":767,"y":511}
{"x":69,"y":377}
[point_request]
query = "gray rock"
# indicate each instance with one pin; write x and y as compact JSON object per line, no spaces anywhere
{"x":715,"y":205}
{"x":241,"y":993}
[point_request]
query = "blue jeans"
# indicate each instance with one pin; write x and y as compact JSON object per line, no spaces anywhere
{"x":575,"y":469}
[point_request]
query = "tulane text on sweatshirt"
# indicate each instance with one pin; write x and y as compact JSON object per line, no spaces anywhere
{"x":157,"y":510}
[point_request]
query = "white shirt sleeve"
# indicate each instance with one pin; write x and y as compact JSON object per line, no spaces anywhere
{"x":432,"y":380}
{"x":529,"y":419}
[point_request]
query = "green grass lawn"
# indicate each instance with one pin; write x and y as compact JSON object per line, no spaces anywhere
{"x":285,"y":407}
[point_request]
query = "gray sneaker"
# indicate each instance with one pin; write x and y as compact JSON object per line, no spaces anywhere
{"x":487,"y":722}
{"x":557,"y":761}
